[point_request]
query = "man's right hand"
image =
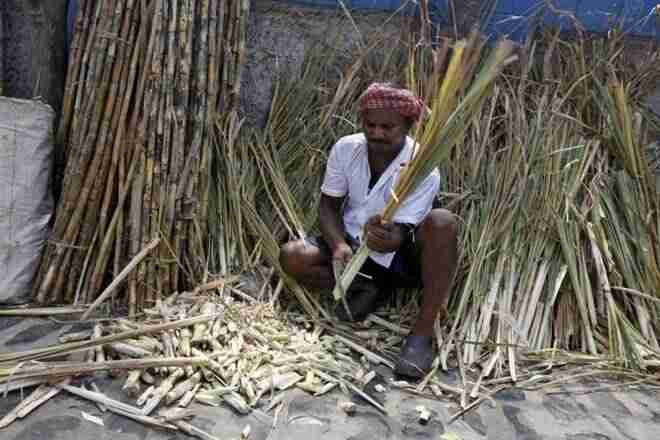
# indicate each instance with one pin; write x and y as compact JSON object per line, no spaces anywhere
{"x":342,"y":252}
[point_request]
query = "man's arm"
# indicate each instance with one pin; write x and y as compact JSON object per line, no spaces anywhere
{"x":332,"y":227}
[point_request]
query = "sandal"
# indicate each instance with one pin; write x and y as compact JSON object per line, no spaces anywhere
{"x":416,"y":357}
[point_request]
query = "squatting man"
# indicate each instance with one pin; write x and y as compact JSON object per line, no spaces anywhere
{"x":418,"y":248}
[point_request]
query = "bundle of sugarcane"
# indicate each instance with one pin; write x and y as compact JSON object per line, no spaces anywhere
{"x":538,"y":239}
{"x":146,"y":83}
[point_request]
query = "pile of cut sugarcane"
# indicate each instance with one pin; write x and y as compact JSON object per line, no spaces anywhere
{"x":147,"y":82}
{"x":222,"y":345}
{"x":215,"y":345}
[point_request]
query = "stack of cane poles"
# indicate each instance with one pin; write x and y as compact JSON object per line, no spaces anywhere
{"x":146,"y":82}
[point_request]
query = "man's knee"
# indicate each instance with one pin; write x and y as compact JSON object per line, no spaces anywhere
{"x":291,"y":254}
{"x":440,"y":222}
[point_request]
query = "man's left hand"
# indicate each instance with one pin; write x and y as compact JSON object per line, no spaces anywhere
{"x":383,"y":236}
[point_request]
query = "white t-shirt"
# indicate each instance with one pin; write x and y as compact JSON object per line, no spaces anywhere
{"x":348,"y":174}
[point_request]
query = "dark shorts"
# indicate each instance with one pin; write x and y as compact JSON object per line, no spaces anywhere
{"x":405,"y":270}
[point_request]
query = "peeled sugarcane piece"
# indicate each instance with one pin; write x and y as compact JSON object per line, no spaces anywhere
{"x":188,"y":397}
{"x":37,"y":398}
{"x":326,"y":388}
{"x":200,"y":332}
{"x":168,"y":345}
{"x":183,"y":388}
{"x":311,"y":384}
{"x":184,"y":342}
{"x":145,"y":395}
{"x":101,"y":406}
{"x":111,"y":404}
{"x":129,"y":350}
{"x":97,"y":333}
{"x":236,"y":401}
{"x":149,"y":343}
{"x":75,"y":336}
{"x":216,"y":329}
{"x":212,"y":365}
{"x":147,"y":377}
{"x":132,"y":384}
{"x":248,"y":390}
{"x":208,"y":375}
{"x":175,"y":413}
{"x":161,"y":391}
{"x":436,"y":390}
{"x":368,"y":378}
{"x":287,"y":380}
{"x":313,"y":388}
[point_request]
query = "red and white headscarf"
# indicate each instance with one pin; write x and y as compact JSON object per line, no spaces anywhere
{"x":384,"y":96}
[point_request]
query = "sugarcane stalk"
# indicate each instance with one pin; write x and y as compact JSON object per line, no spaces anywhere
{"x":132,"y":384}
{"x":100,"y":398}
{"x":135,"y":222}
{"x":37,"y":398}
{"x":161,"y":392}
{"x":145,"y":395}
{"x":73,"y":70}
{"x":121,"y":277}
{"x":183,"y":85}
{"x":187,"y":398}
{"x":113,"y":233}
{"x":199,"y":181}
{"x":184,"y":345}
{"x":200,"y":331}
{"x":194,"y":431}
{"x":152,"y":101}
{"x":130,"y":350}
{"x":147,"y":378}
{"x":183,"y":387}
{"x":91,"y":11}
{"x":162,"y":153}
{"x":72,"y":347}
{"x":244,"y":10}
{"x":53,"y":370}
{"x":167,"y":211}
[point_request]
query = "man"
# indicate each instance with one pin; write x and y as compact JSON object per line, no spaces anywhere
{"x":418,"y":248}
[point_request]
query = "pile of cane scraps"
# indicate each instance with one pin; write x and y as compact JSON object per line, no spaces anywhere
{"x":209,"y":348}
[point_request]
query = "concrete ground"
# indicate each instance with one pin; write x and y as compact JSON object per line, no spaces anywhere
{"x":578,"y":414}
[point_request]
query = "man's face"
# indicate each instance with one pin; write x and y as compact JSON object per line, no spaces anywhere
{"x":385,"y":129}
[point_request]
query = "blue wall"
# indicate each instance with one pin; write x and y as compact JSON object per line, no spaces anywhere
{"x":514,"y":18}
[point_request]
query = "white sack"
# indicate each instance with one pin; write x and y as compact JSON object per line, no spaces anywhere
{"x":26,"y":205}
